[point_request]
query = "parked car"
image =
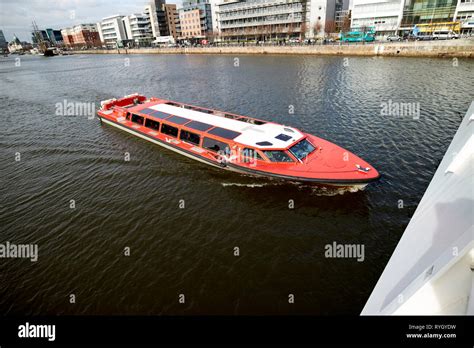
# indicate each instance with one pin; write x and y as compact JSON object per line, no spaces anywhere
{"x":423,"y":37}
{"x":445,"y":35}
{"x":394,"y":38}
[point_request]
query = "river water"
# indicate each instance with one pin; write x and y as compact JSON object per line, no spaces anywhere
{"x":66,"y":184}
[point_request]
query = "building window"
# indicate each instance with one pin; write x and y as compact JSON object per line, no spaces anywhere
{"x":190,"y":137}
{"x":169,"y":130}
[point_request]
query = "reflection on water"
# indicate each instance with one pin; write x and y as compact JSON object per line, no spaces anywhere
{"x":189,"y":250}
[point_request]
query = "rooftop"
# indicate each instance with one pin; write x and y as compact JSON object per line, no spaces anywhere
{"x":268,"y":135}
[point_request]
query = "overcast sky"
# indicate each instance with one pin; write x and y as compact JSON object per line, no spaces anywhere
{"x":16,"y":15}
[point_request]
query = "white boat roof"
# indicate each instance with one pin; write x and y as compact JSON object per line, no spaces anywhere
{"x":251,"y":133}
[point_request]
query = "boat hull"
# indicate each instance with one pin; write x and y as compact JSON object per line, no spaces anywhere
{"x":356,"y":184}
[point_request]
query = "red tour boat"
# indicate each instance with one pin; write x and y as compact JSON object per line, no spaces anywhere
{"x":237,"y":143}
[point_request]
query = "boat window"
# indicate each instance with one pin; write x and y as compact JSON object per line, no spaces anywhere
{"x":248,"y":155}
{"x":169,"y":130}
{"x":224,"y":133}
{"x":189,"y":137}
{"x":302,"y":149}
{"x":200,"y":126}
{"x":231,"y":116}
{"x":264,"y":143}
{"x":128,"y":116}
{"x":178,"y":120}
{"x":278,"y":156}
{"x":152,"y":124}
{"x":283,"y":137}
{"x":215,"y":145}
{"x":137,"y":119}
{"x":251,"y":121}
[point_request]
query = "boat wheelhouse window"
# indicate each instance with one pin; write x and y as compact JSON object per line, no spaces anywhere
{"x":264,"y":143}
{"x":128,"y":116}
{"x":147,"y":111}
{"x":152,"y":124}
{"x":278,"y":156}
{"x":224,"y":133}
{"x":302,"y":149}
{"x":169,"y":130}
{"x":283,"y":137}
{"x":251,"y":121}
{"x":137,"y":119}
{"x":215,"y":145}
{"x":196,"y":108}
{"x":233,"y":117}
{"x":248,"y":155}
{"x":178,"y":120}
{"x":207,"y":111}
{"x":200,"y":126}
{"x":159,"y":114}
{"x":189,"y":137}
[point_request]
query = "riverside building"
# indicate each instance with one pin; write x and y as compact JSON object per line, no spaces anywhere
{"x":163,"y":18}
{"x":138,"y":29}
{"x":401,"y":16}
{"x":112,"y":31}
{"x":275,"y":20}
{"x":384,"y":16}
{"x":82,"y":35}
{"x":195,"y":19}
{"x":465,"y":14}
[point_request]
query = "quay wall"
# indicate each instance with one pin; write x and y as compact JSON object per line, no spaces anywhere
{"x":409,"y":49}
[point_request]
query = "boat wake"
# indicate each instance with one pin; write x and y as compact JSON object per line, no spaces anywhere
{"x":226,"y":184}
{"x":312,"y":189}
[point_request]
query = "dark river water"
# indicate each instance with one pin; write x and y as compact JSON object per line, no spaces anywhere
{"x":138,"y":204}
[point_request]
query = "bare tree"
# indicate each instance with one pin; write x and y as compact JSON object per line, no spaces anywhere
{"x":210,"y":35}
{"x":317,"y":28}
{"x":346,"y":24}
{"x":330,"y":27}
{"x":290,"y":30}
{"x":303,"y":30}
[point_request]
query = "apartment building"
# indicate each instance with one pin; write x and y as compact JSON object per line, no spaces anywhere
{"x":163,"y":18}
{"x":112,"y":31}
{"x":138,"y":29}
{"x":195,"y":19}
{"x":82,"y":35}
{"x":465,"y":14}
